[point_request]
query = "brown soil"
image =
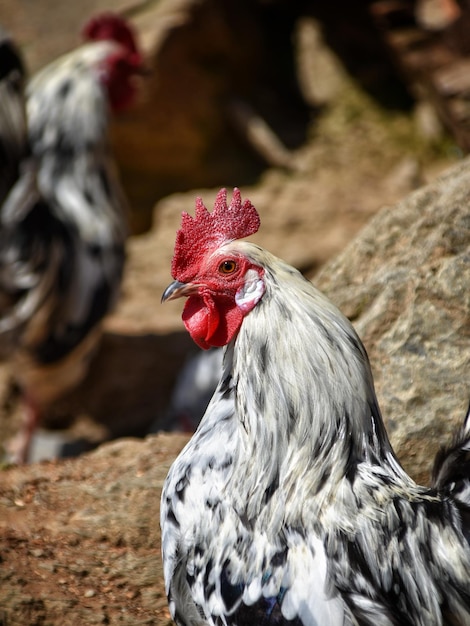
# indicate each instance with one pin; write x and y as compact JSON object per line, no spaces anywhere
{"x":79,"y":551}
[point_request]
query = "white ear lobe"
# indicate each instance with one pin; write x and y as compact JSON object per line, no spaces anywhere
{"x":252,"y":291}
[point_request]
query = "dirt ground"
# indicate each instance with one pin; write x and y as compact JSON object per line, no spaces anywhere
{"x":76,"y":552}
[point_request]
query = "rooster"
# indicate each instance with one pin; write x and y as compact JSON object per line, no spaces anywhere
{"x":63,"y":224}
{"x":288,"y":506}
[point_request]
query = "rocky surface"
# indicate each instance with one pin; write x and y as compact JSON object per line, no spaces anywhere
{"x":404,"y":283}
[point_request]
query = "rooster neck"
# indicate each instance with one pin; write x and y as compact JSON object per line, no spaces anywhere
{"x":304,"y":396}
{"x":67,"y":103}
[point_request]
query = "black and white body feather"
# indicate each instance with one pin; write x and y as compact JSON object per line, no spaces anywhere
{"x":62,"y":228}
{"x":288,"y":505}
{"x":451,"y":471}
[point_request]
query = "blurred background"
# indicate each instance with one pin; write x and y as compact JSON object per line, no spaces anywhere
{"x":322,"y":113}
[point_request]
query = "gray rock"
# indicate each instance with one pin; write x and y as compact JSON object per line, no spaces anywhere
{"x":405,"y":284}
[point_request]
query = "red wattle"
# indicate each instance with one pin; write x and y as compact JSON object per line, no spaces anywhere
{"x":200,"y":320}
{"x":211,"y":324}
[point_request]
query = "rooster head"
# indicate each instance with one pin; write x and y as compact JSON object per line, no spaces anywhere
{"x":221,"y":282}
{"x":119,"y":68}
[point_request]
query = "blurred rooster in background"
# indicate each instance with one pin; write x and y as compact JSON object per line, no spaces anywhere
{"x":63,"y":223}
{"x":193,"y":389}
{"x":288,"y":506}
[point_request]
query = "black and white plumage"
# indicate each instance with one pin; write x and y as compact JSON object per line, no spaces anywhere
{"x":63,"y":224}
{"x":288,"y":505}
{"x":13,"y":141}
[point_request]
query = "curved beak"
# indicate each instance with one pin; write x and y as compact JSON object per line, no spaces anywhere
{"x":179,"y":290}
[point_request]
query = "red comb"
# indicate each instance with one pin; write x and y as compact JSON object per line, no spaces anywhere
{"x":209,"y":230}
{"x":109,"y":26}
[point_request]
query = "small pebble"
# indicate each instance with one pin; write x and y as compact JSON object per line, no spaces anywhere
{"x":37,"y":552}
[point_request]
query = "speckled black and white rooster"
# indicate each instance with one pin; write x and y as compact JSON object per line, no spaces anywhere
{"x":63,"y":222}
{"x":288,"y":505}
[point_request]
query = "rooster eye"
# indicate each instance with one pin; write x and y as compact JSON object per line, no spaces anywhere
{"x":227,"y":267}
